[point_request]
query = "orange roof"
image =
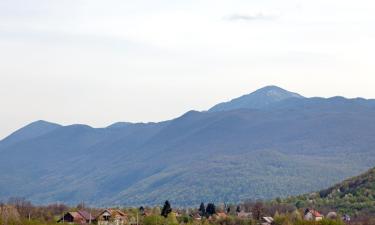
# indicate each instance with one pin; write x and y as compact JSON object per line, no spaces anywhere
{"x":314,"y":213}
{"x":221,"y":214}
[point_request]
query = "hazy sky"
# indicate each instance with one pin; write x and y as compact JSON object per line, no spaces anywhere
{"x":98,"y":62}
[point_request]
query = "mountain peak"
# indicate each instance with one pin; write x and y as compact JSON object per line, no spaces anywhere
{"x":32,"y":130}
{"x":270,"y":88}
{"x":276,"y":92}
{"x":41,"y":123}
{"x":257,"y":99}
{"x":119,"y":125}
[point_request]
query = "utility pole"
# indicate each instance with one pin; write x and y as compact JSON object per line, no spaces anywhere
{"x":63,"y":214}
{"x":137,"y":217}
{"x":90,"y":217}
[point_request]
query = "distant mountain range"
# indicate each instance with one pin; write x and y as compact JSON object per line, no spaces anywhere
{"x":269,"y":143}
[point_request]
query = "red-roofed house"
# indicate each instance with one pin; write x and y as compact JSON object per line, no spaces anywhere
{"x":312,"y":214}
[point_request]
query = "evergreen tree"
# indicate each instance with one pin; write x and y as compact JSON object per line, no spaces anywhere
{"x":211,"y":209}
{"x":166,"y":209}
{"x":202,"y":210}
{"x":238,"y":209}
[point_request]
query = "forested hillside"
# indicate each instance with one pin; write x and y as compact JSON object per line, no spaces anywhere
{"x":354,"y":195}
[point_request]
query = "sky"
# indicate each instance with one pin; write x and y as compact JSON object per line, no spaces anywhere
{"x":98,"y":62}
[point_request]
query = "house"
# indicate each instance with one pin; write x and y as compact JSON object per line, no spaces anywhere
{"x":312,"y":214}
{"x":78,"y":217}
{"x":196,"y":216}
{"x":147,"y":213}
{"x":111,"y":217}
{"x":266,"y":220}
{"x":346,"y":218}
{"x":177,"y":213}
{"x":221,"y":215}
{"x":244,"y":215}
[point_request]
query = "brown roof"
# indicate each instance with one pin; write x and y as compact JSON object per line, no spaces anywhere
{"x":221,"y":214}
{"x":77,"y":217}
{"x":113,"y":213}
{"x":85,"y":214}
{"x":116,"y":212}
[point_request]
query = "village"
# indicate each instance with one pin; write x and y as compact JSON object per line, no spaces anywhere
{"x":210,"y":214}
{"x":248,"y":213}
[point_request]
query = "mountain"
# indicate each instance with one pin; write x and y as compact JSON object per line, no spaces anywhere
{"x":30,"y":131}
{"x":257,"y":100}
{"x":288,"y":147}
{"x":351,"y":196}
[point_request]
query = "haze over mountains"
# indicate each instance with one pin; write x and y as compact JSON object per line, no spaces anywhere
{"x":270,"y":143}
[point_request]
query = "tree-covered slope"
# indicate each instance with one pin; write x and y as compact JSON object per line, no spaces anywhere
{"x":354,"y":195}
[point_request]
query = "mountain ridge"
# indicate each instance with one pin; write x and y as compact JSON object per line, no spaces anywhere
{"x":216,"y":156}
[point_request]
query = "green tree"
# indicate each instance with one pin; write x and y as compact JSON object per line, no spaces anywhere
{"x":166,"y":209}
{"x":171,"y":219}
{"x":154,"y":220}
{"x":210,"y":210}
{"x":202,"y":210}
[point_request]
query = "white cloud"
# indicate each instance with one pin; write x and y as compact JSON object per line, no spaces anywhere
{"x":260,"y":15}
